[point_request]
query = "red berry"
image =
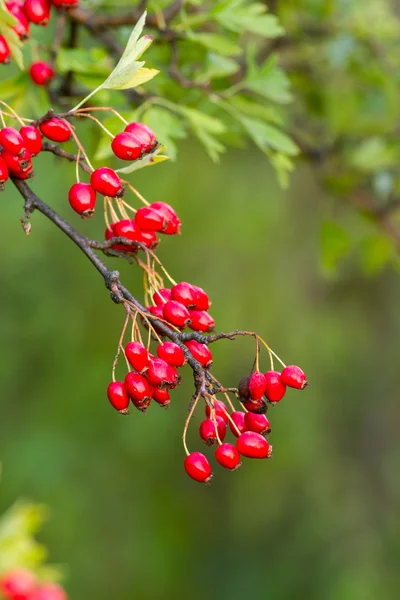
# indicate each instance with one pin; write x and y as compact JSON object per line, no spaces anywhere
{"x":173,"y":222}
{"x":82,"y":199}
{"x":243,"y":388}
{"x":49,"y":591}
{"x":118,"y":396}
{"x":4,"y":51}
{"x":106,"y":182}
{"x":198,"y":467}
{"x":161,"y":396}
{"x":138,"y":387}
{"x":12,"y":141}
{"x":257,"y":423}
{"x":109,"y":233}
{"x":255,"y":406}
{"x":200,"y":352}
{"x":144,"y":134}
{"x":171,"y":353}
{"x":238,"y":417}
{"x":41,"y":73}
{"x":150,"y":219}
{"x":201,"y":321}
{"x":32,"y":139}
{"x":65,"y":3}
{"x":150,"y":239}
{"x":257,"y":385}
{"x":184,"y":293}
{"x":37,"y":11}
{"x":17,"y":164}
{"x":126,"y":146}
{"x":228,"y":456}
{"x":253,"y":445}
{"x":137,"y":356}
{"x":159,"y":373}
{"x":162,"y":296}
{"x":56,"y":130}
{"x":177,"y":314}
{"x":174,"y":379}
{"x":208,"y":433}
{"x":156,"y":311}
{"x":275,"y":389}
{"x":294,"y":377}
{"x":220,"y":410}
{"x":22,"y":26}
{"x":4,"y":174}
{"x":202,"y":301}
{"x":17,"y":585}
{"x":128,"y":228}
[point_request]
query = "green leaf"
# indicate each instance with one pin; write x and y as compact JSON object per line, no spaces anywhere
{"x":88,"y":61}
{"x":377,"y":252}
{"x":130,"y":77}
{"x":255,"y":109}
{"x":269,"y":81}
{"x":215,"y":43}
{"x":268,"y":137}
{"x":5,"y":16}
{"x":373,"y":154}
{"x":335,"y":245}
{"x":205,"y":128}
{"x":147,"y":161}
{"x":217,"y":66}
{"x":166,"y":126}
{"x":14,"y":43}
{"x":240,"y":15}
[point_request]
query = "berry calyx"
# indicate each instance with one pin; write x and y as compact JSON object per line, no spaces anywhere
{"x":220,"y":410}
{"x":253,"y":445}
{"x":200,"y":352}
{"x":275,"y":389}
{"x":256,"y":406}
{"x":258,"y":423}
{"x":162,"y":296}
{"x":150,"y":219}
{"x":238,"y":417}
{"x":118,"y":396}
{"x":32,"y":139}
{"x":201,"y":321}
{"x":37,"y":11}
{"x":82,"y":199}
{"x":41,"y":72}
{"x":208,"y":432}
{"x":18,"y":165}
{"x":257,"y":385}
{"x":176,"y":314}
{"x":106,"y":182}
{"x":4,"y":51}
{"x":48,"y":591}
{"x":137,"y":356}
{"x":161,"y":396}
{"x":126,"y":146}
{"x":137,"y":387}
{"x":56,"y":130}
{"x":4,"y":174}
{"x":294,"y":377}
{"x":17,"y":584}
{"x":184,"y":293}
{"x":171,"y":353}
{"x":228,"y":456}
{"x":12,"y":141}
{"x":198,"y":468}
{"x":144,"y":134}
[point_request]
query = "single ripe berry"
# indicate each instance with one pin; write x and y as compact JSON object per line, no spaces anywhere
{"x":159,"y":373}
{"x":4,"y":51}
{"x":171,"y":353}
{"x":137,"y":356}
{"x":202,"y":301}
{"x":201,"y":321}
{"x":257,"y":423}
{"x":32,"y":139}
{"x":17,"y":584}
{"x":12,"y":141}
{"x":18,"y":164}
{"x":56,"y":130}
{"x":208,"y":433}
{"x":184,"y":293}
{"x":41,"y":73}
{"x":22,"y":26}
{"x":228,"y":456}
{"x":118,"y":396}
{"x":173,"y":222}
{"x":82,"y":199}
{"x":275,"y":389}
{"x":162,"y":296}
{"x":138,"y":387}
{"x":200,"y":352}
{"x":176,"y":314}
{"x":198,"y":467}
{"x":126,"y":146}
{"x":128,"y":228}
{"x":257,"y":385}
{"x":150,"y":239}
{"x":106,"y":182}
{"x":48,"y":591}
{"x":256,"y":406}
{"x":161,"y":396}
{"x":253,"y":445}
{"x":144,"y":134}
{"x":220,"y":410}
{"x":37,"y":11}
{"x":4,"y":174}
{"x":238,"y":417}
{"x":294,"y":377}
{"x":243,"y":388}
{"x":150,"y":219}
{"x":109,"y":233}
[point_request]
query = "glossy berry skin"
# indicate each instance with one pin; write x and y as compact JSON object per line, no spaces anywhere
{"x":228,"y":456}
{"x":256,"y":406}
{"x":200,"y":352}
{"x":41,"y":73}
{"x":150,"y":239}
{"x":65,"y":3}
{"x":257,"y":385}
{"x":4,"y":174}
{"x":32,"y":139}
{"x":161,"y":396}
{"x":17,"y":585}
{"x":126,"y":146}
{"x":82,"y":199}
{"x":137,"y":356}
{"x":172,"y":354}
{"x":275,"y":389}
{"x":202,"y":301}
{"x":150,"y":219}
{"x":12,"y":141}
{"x":238,"y":417}
{"x":253,"y":445}
{"x":106,"y":182}
{"x":17,"y":164}
{"x":159,"y":373}
{"x":294,"y":377}
{"x":198,"y":468}
{"x":128,"y":228}
{"x":220,"y":410}
{"x":22,"y":26}
{"x":243,"y":388}
{"x":56,"y":130}
{"x":118,"y":396}
{"x":4,"y":51}
{"x":144,"y":134}
{"x":172,"y":220}
{"x":257,"y":423}
{"x":162,"y":296}
{"x":137,"y":387}
{"x":208,"y":433}
{"x":156,"y":311}
{"x":174,"y":379}
{"x":201,"y":321}
{"x":48,"y":591}
{"x":184,"y":293}
{"x":177,"y":314}
{"x":37,"y":11}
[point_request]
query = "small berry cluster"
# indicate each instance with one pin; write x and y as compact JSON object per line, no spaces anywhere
{"x":184,"y":305}
{"x":20,"y":584}
{"x":26,"y":12}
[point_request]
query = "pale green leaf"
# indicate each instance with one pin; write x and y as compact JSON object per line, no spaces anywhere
{"x":254,"y":109}
{"x":14,"y":43}
{"x":6,"y":17}
{"x":240,"y":15}
{"x":147,"y":161}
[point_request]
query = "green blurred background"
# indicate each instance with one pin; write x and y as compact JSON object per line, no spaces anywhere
{"x":320,"y":520}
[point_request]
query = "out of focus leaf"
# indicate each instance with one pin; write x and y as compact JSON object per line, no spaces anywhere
{"x":216,"y":43}
{"x":376,"y":252}
{"x":268,"y":137}
{"x":240,"y":15}
{"x":335,"y":245}
{"x":166,"y":126}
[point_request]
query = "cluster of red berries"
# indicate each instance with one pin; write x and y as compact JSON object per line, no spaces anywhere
{"x":134,"y":142}
{"x":21,"y":584}
{"x":249,"y":426}
{"x":25,"y":13}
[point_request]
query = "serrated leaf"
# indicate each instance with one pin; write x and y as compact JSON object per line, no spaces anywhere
{"x":216,"y":43}
{"x":129,"y":78}
{"x":200,"y":119}
{"x":240,"y":15}
{"x":269,"y":81}
{"x":255,"y":109}
{"x":268,"y":137}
